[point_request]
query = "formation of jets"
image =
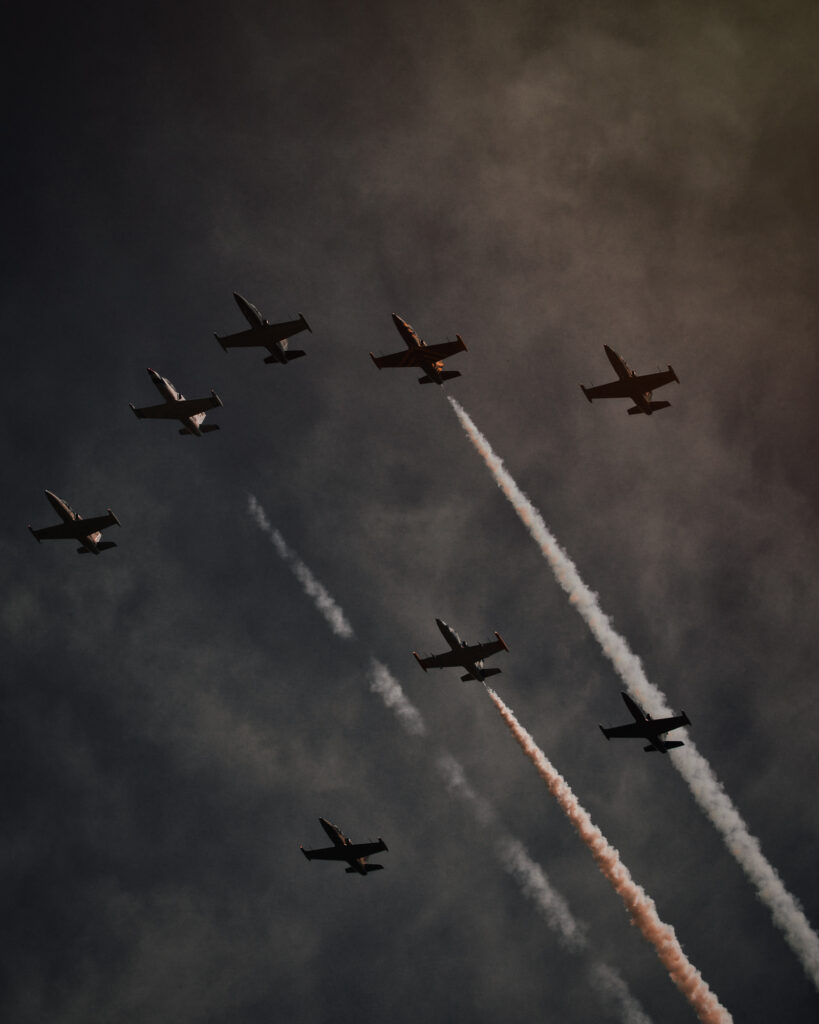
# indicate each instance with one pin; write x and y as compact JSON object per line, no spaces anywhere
{"x":463,"y":655}
{"x":647,"y":728}
{"x":191,"y":414}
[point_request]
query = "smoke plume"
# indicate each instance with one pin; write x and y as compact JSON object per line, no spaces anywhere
{"x":695,"y":769}
{"x":639,"y":905}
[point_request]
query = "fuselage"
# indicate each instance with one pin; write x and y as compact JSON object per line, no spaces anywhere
{"x":455,"y":642}
{"x":642,"y":399}
{"x":432,"y":366}
{"x":339,"y":839}
{"x":68,"y":515}
{"x":171,"y":395}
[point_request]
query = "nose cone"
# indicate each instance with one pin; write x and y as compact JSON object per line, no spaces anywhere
{"x":153,"y":373}
{"x":441,"y":624}
{"x":397,"y":320}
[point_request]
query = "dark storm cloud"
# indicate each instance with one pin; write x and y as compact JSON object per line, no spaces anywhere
{"x":176,"y":715}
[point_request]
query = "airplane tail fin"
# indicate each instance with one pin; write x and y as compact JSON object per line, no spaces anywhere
{"x":491,"y":672}
{"x":449,"y":374}
{"x":467,"y":677}
{"x":670,"y":744}
{"x":425,"y":380}
{"x":293,"y":353}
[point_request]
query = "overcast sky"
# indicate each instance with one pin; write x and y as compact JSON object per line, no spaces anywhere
{"x":541,"y":178}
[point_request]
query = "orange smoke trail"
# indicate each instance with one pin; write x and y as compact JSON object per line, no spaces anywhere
{"x":639,"y":905}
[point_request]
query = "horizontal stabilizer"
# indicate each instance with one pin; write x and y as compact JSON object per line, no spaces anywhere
{"x":491,"y":672}
{"x":294,"y":353}
{"x":105,"y":544}
{"x":426,"y":380}
{"x":635,"y":410}
{"x":367,"y":869}
{"x":184,"y":430}
{"x":467,"y":677}
{"x":649,"y":749}
{"x":272,"y":359}
{"x":654,"y":406}
{"x":449,"y":374}
{"x":209,"y":427}
{"x":669,"y":744}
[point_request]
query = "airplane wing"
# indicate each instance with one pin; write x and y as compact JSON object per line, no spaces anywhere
{"x":365,"y":849}
{"x":269,"y":334}
{"x":633,"y":729}
{"x":90,"y":526}
{"x":61,"y":531}
{"x":445,"y":349}
{"x":328,"y":853}
{"x":407,"y":357}
{"x":449,"y":659}
{"x":651,"y":381}
{"x":475,"y":652}
{"x":667,"y":724}
{"x":615,"y":389}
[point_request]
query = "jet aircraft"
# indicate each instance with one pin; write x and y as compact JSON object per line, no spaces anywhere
{"x":430,"y":358}
{"x":355,"y":854}
{"x":73,"y":527}
{"x":463,"y":655}
{"x":630,"y":385}
{"x":651,"y":729}
{"x":189,"y":412}
{"x":273,"y":337}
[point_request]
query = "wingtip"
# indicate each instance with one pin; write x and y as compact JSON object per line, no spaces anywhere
{"x":423,"y":666}
{"x":502,"y":642}
{"x":600,"y":727}
{"x":304,"y":321}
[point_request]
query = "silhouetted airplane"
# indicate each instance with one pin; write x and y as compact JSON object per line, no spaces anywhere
{"x":463,"y":655}
{"x":648,"y":728}
{"x":355,"y":854}
{"x":630,"y":385}
{"x":429,"y":358}
{"x":189,"y":411}
{"x":273,"y":337}
{"x":73,"y":527}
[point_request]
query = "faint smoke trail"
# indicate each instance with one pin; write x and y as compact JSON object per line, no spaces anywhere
{"x":314,"y":590}
{"x":695,"y":769}
{"x":511,"y":853}
{"x":389,"y":690}
{"x":639,"y":905}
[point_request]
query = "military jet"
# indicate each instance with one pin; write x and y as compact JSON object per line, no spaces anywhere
{"x":189,"y":412}
{"x":355,"y":854}
{"x":651,"y":729}
{"x":463,"y":655}
{"x":262,"y":333}
{"x":73,"y":527}
{"x":430,"y":358}
{"x":630,"y":385}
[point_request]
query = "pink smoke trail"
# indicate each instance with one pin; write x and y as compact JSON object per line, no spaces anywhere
{"x":705,"y":786}
{"x":639,"y":905}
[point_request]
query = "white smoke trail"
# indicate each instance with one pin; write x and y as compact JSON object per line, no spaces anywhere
{"x":639,"y":905}
{"x":324,"y":603}
{"x":695,"y":769}
{"x":389,"y":690}
{"x":511,"y":853}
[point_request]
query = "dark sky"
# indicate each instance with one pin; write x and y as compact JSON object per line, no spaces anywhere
{"x":541,"y":178}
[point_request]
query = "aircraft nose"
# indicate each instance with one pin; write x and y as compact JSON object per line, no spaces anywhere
{"x":398,"y":321}
{"x":153,"y":373}
{"x":441,"y":624}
